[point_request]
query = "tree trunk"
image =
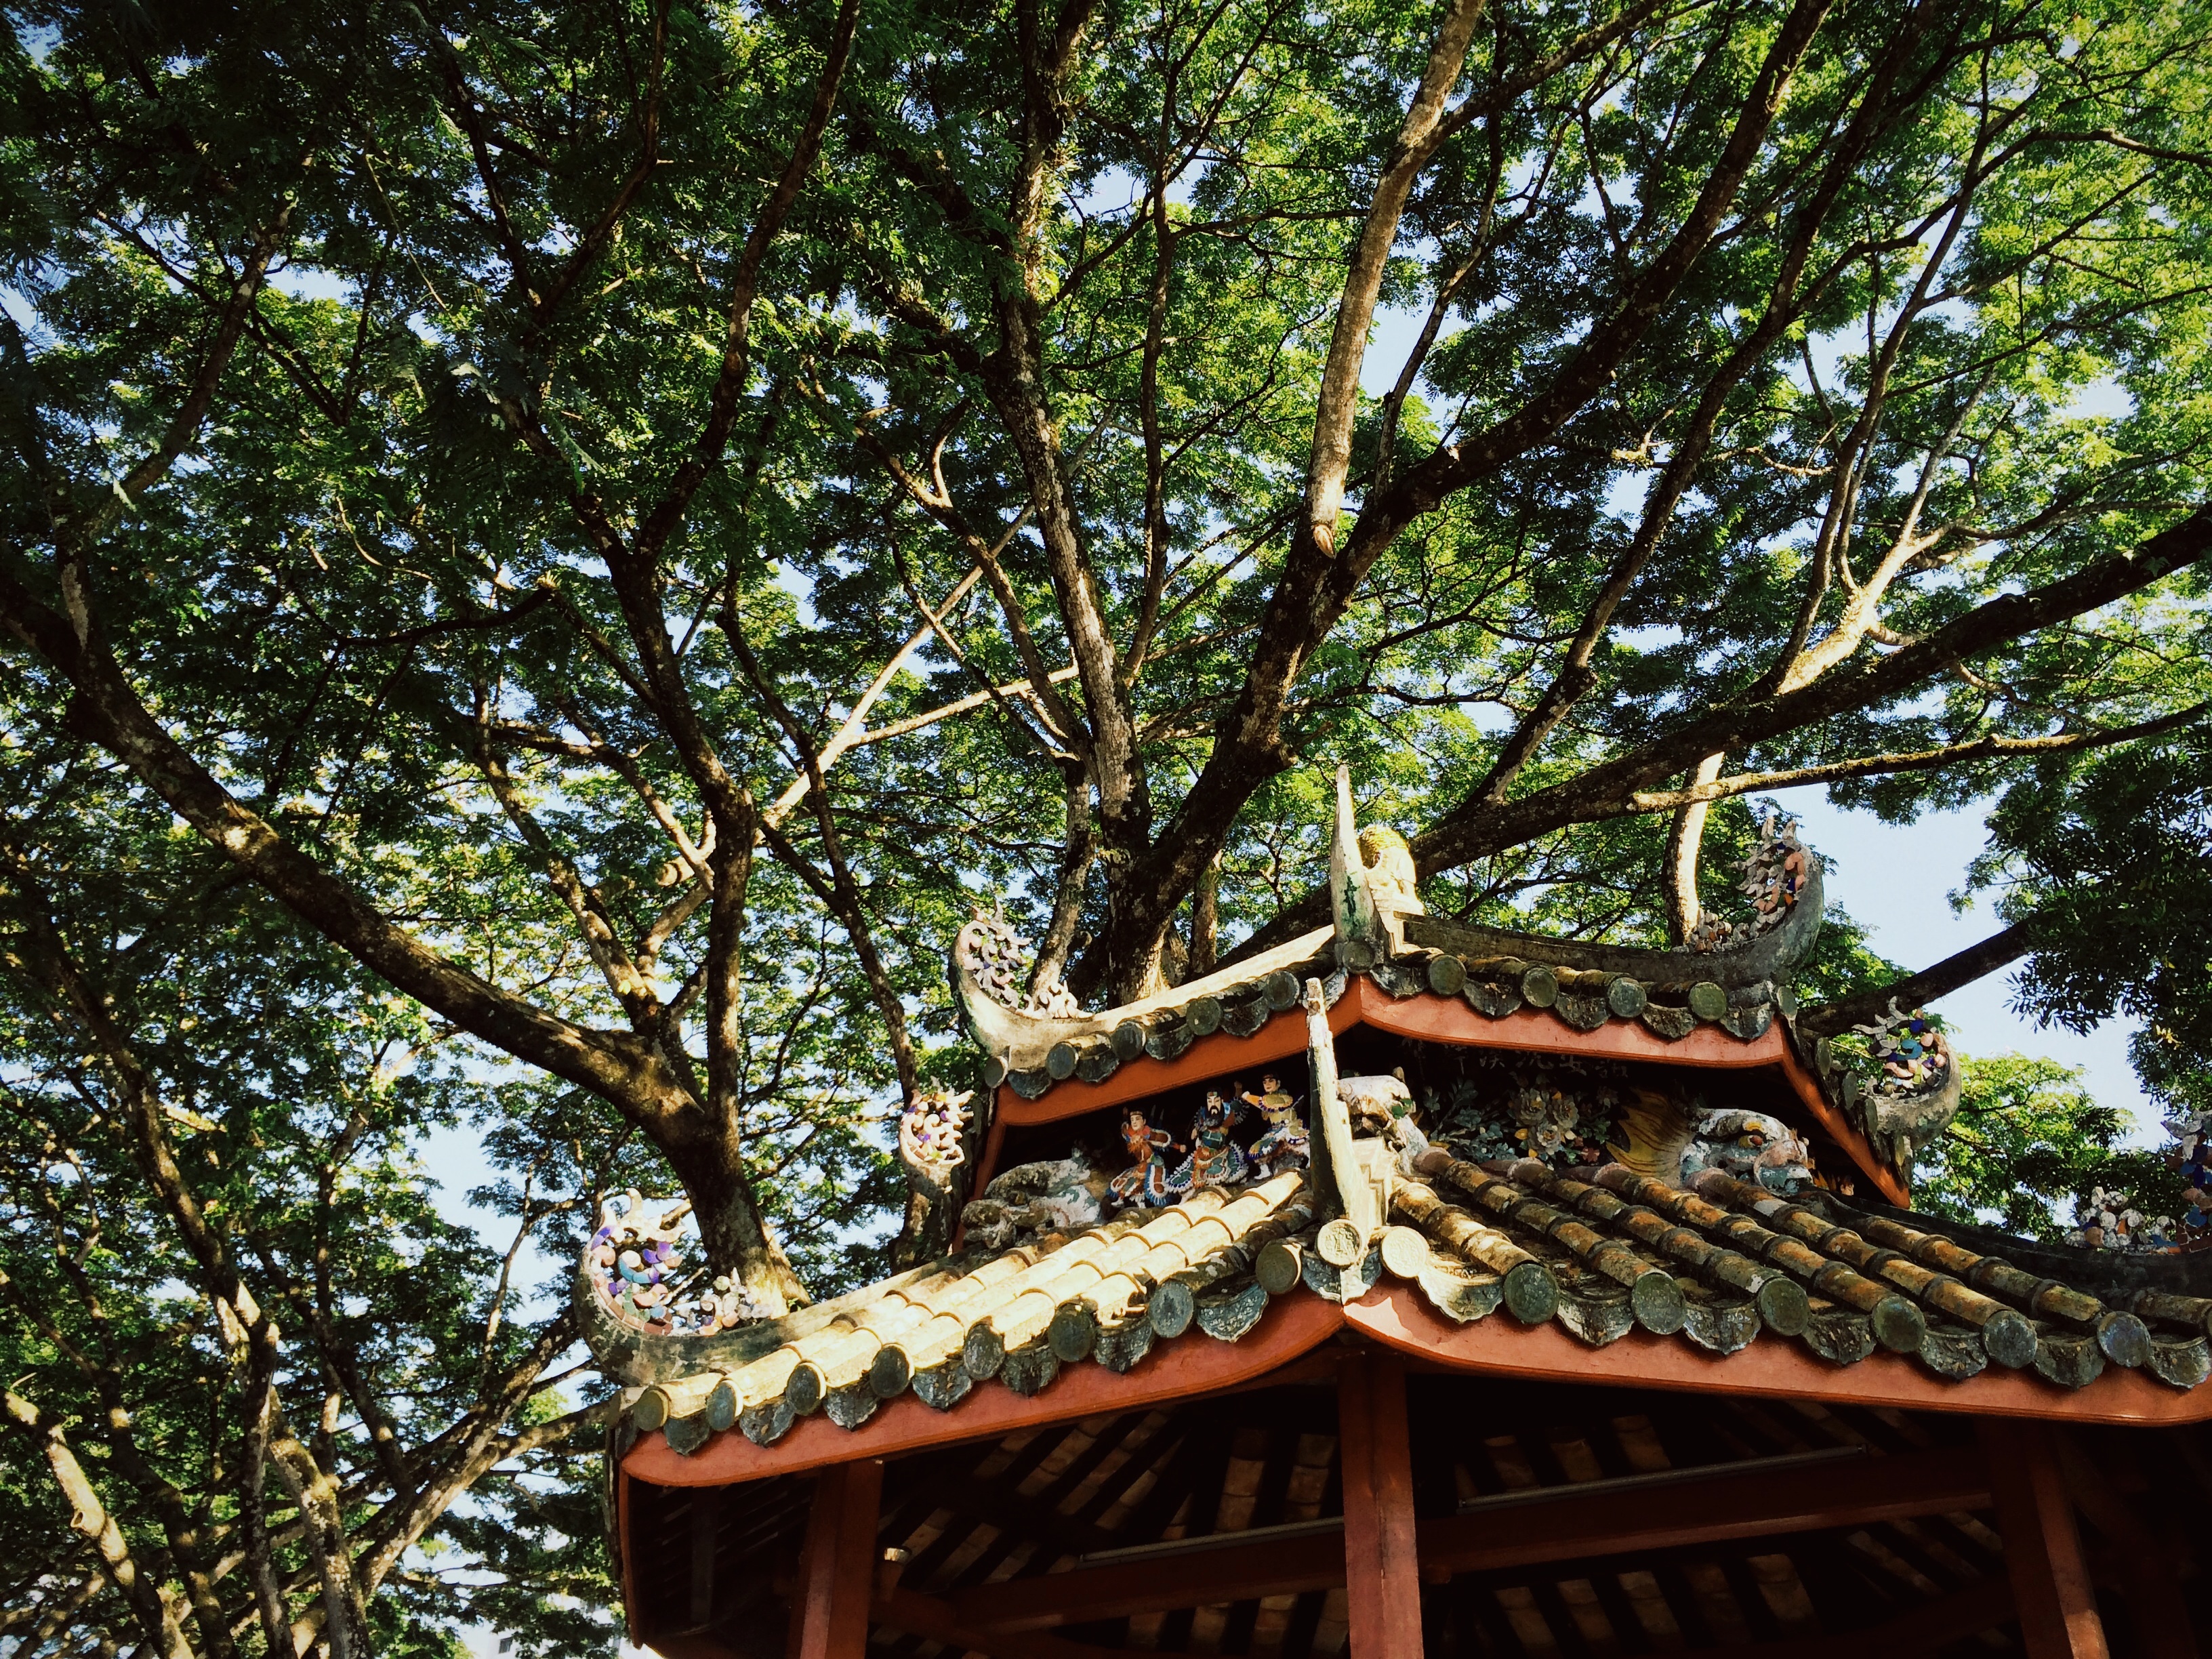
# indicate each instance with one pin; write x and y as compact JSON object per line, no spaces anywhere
{"x":1205,"y":920}
{"x":733,"y":1232}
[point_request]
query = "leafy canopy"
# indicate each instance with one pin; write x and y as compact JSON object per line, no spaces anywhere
{"x":626,"y":521}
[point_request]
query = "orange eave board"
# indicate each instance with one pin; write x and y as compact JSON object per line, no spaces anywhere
{"x":1392,"y":1315}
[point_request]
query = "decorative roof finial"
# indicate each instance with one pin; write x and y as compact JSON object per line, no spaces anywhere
{"x":1351,"y":904}
{"x":1370,"y":885}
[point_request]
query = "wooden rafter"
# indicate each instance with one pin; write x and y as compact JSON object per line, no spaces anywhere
{"x":1724,"y":1508}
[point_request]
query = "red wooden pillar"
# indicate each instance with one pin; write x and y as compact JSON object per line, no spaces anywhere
{"x":1381,"y":1568}
{"x":837,"y":1568}
{"x":2051,"y":1586}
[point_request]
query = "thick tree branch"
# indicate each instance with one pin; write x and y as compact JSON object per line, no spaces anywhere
{"x":1685,"y":842}
{"x":1627,"y":785}
{"x":1338,"y":403}
{"x":1995,"y":745}
{"x":1474,"y":831}
{"x":614,"y":1066}
{"x":163,"y":1635}
{"x":1574,"y":675}
{"x":1928,"y":985}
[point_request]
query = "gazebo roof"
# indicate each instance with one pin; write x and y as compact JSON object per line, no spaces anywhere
{"x":1725,"y":1270}
{"x":1507,"y":1266}
{"x":1642,"y":1267}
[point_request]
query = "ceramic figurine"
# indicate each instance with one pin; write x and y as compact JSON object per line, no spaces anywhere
{"x":2109,"y":1220}
{"x":1057,"y":1195}
{"x":997,"y":962}
{"x":1547,"y":1117}
{"x":1215,"y":1160}
{"x":1751,"y":1146}
{"x":1145,"y":1183}
{"x":1284,"y":1144}
{"x":1403,"y":1135}
{"x":1541,"y":1116}
{"x":1777,"y":874}
{"x":1373,"y":1102}
{"x":1390,"y":862}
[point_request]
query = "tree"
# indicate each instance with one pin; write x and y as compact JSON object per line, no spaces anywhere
{"x":2027,"y":1145}
{"x":625,"y":520}
{"x":252,"y":1371}
{"x":2106,"y":866}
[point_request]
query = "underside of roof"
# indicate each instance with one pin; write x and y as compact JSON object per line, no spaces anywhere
{"x":1551,"y":1521}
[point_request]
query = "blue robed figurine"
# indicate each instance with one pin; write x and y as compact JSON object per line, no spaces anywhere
{"x":1215,"y":1160}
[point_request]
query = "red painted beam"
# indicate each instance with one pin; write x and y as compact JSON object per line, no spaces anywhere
{"x":1431,"y":1018}
{"x":2150,"y":1567}
{"x":1233,"y":1572}
{"x":1726,"y":1507}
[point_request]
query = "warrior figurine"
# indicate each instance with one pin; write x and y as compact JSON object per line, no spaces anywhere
{"x":1283,"y":1146}
{"x":1145,"y":1183}
{"x":1215,"y":1160}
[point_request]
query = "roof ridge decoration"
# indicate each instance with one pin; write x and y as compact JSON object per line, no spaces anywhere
{"x":1038,"y":1047}
{"x":932,"y":1139}
{"x":1781,"y":878}
{"x":632,"y":1279}
{"x":1734,"y":975}
{"x":1774,"y":876}
{"x":1903,"y":1090}
{"x":1372,"y":885}
{"x":929,"y":1131}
